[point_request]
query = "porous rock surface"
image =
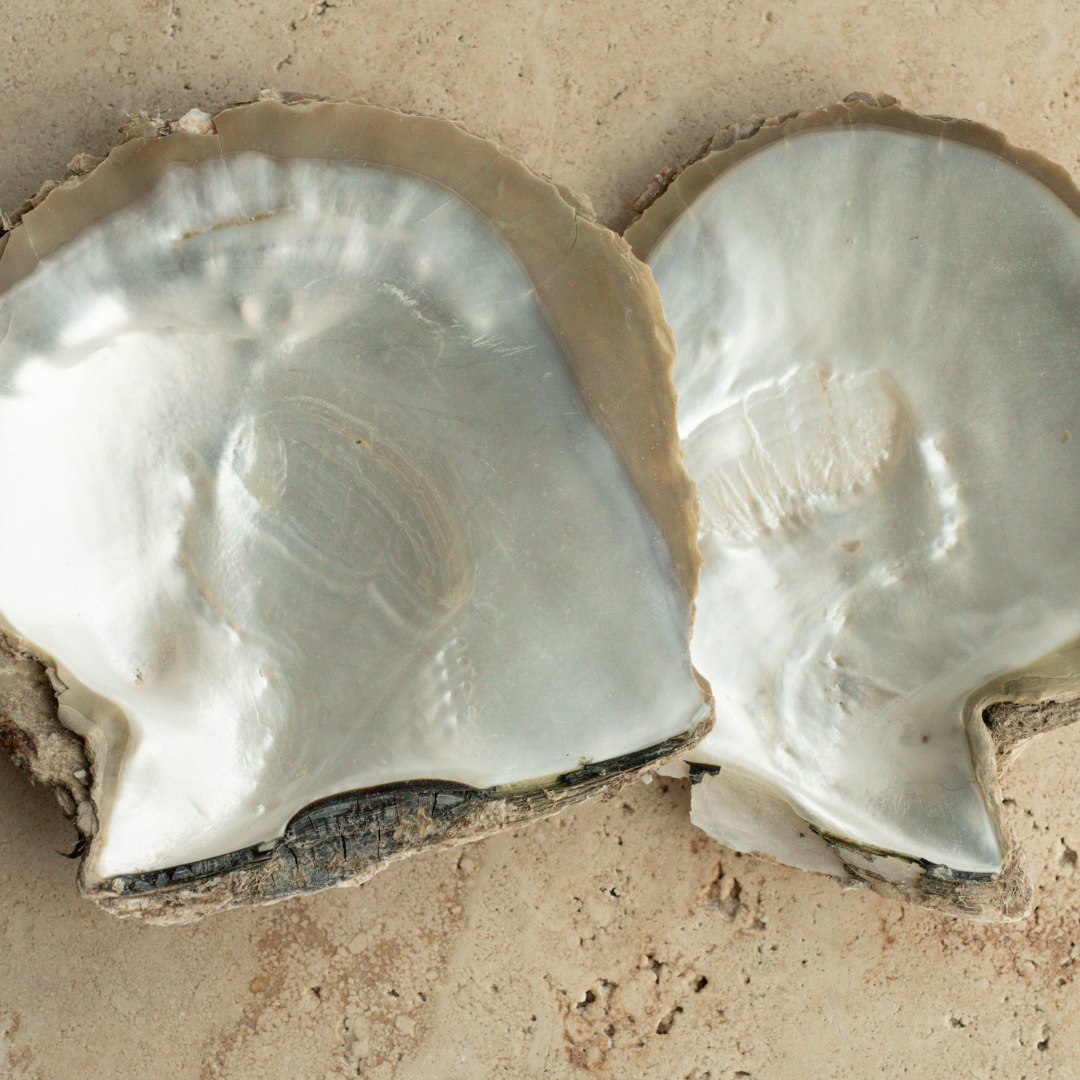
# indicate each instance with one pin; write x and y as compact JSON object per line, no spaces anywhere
{"x":805,"y":979}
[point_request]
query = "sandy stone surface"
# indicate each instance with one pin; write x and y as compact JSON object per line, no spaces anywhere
{"x":615,"y":939}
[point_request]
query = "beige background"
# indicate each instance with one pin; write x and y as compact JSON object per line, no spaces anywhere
{"x":614,"y":938}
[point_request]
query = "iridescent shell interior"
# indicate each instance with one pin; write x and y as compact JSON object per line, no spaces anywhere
{"x":305,"y":498}
{"x":879,"y":399}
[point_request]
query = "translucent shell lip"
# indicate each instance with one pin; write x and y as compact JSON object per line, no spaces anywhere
{"x":355,"y":519}
{"x":875,"y":316}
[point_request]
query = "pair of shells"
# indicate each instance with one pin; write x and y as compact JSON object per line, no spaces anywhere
{"x":347,"y":513}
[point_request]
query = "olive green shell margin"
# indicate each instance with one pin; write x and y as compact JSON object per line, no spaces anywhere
{"x":735,"y":142}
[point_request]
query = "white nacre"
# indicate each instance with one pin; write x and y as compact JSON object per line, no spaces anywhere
{"x":300,"y":497}
{"x":879,"y":395}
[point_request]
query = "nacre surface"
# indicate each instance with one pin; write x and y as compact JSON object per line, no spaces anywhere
{"x":879,"y":398}
{"x":303,"y":497}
